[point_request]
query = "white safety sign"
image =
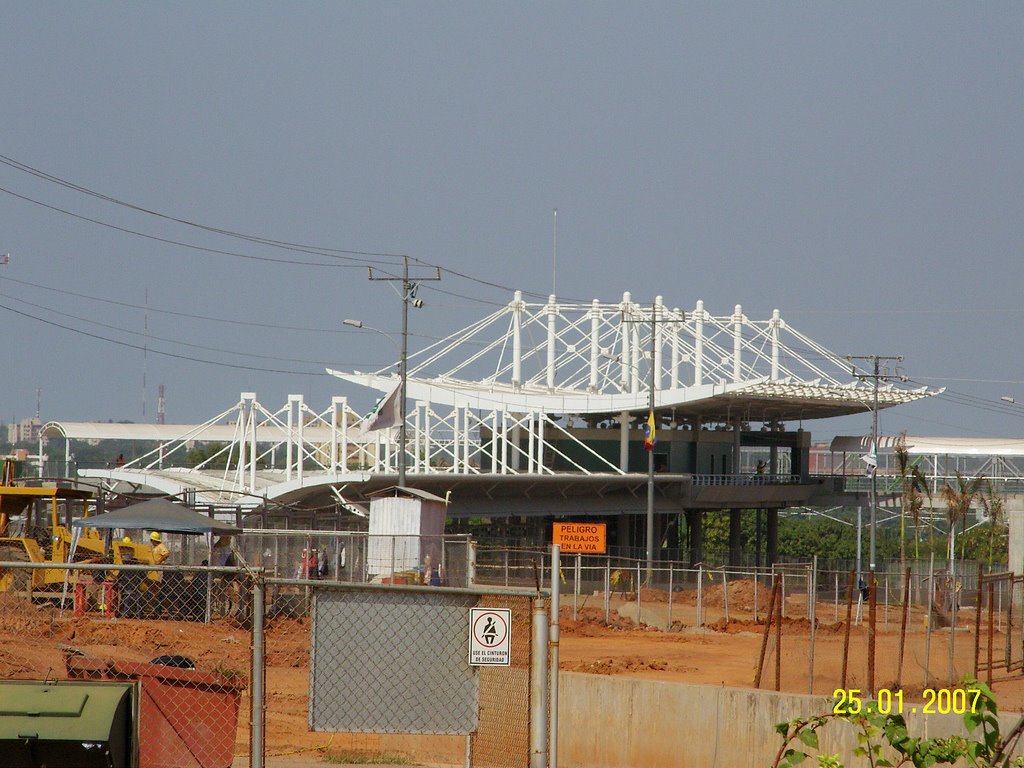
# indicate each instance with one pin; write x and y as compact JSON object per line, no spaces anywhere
{"x":490,"y":636}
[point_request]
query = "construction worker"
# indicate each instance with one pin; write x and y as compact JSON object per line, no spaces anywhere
{"x":160,"y":550}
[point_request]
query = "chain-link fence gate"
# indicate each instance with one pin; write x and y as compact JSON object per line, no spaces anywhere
{"x":389,"y":660}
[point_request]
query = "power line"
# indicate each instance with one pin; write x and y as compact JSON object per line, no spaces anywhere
{"x":169,"y":241}
{"x":163,"y":338}
{"x":129,"y":305}
{"x":379,"y":256}
{"x":25,"y":168}
{"x":157,"y":351}
{"x":208,"y":318}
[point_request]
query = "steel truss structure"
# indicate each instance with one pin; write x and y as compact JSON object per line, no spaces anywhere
{"x":503,"y":395}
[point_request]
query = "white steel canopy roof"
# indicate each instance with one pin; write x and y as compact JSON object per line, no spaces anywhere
{"x":167,"y":433}
{"x":597,"y":359}
{"x":930,"y":446}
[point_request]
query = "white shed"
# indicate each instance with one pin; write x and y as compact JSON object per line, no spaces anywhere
{"x":406,"y":526}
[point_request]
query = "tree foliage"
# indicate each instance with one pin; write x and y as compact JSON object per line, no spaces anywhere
{"x":884,"y":740}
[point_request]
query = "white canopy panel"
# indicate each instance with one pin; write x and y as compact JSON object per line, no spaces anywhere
{"x":942,"y":446}
{"x":167,"y":433}
{"x":756,"y":398}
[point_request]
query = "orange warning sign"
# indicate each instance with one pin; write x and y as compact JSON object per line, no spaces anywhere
{"x":586,"y":538}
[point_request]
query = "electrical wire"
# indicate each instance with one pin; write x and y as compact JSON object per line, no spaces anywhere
{"x":336,"y":252}
{"x":208,"y":318}
{"x":165,"y":339}
{"x":156,"y":310}
{"x":179,"y":243}
{"x":157,"y":351}
{"x":378,"y":257}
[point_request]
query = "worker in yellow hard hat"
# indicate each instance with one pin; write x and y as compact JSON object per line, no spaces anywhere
{"x":126,"y":540}
{"x":160,"y":550}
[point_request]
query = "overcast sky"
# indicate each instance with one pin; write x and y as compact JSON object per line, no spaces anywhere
{"x":856,"y":165}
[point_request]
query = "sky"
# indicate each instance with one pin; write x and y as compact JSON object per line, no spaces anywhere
{"x":858,"y":166}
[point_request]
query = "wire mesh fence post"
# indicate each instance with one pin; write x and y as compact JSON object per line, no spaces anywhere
{"x":607,"y":590}
{"x":756,"y":580}
{"x":836,"y":619}
{"x":954,"y":595}
{"x":812,"y":591}
{"x":637,"y":585}
{"x":700,"y":596}
{"x":903,"y":630}
{"x":671,"y":569}
{"x":846,"y":629}
{"x":539,"y":685}
{"x":767,"y":633}
{"x":575,"y":584}
{"x":553,"y":638}
{"x":991,"y":630}
{"x":928,"y":619}
{"x":256,"y":750}
{"x":999,"y":608}
{"x":778,"y":635}
{"x":1009,"y":623}
{"x":809,"y":594}
{"x":782,"y":596}
{"x":872,"y":621}
{"x":977,"y":623}
{"x":885,"y":608}
{"x":725,"y":594}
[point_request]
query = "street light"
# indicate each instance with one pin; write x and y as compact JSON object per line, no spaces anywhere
{"x":402,"y":365}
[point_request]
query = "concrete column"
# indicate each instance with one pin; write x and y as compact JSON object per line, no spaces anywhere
{"x":625,"y":531}
{"x":624,"y":441}
{"x":735,"y":537}
{"x":673,"y":532}
{"x":514,"y":449}
{"x":757,"y":537}
{"x":737,"y":433}
{"x":695,"y":529}
{"x":772,"y":536}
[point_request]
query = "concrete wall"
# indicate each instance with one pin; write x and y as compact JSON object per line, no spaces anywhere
{"x":620,"y":722}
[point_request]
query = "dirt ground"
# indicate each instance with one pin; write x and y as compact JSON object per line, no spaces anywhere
{"x":722,"y":653}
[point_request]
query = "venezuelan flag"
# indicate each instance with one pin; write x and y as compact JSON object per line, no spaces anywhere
{"x":650,"y":435}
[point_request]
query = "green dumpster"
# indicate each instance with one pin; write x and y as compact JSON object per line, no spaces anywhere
{"x":73,"y":724}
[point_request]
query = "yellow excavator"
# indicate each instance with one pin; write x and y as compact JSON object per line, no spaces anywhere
{"x":34,"y":539}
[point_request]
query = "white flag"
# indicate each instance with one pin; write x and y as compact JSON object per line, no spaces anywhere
{"x":388,"y":412}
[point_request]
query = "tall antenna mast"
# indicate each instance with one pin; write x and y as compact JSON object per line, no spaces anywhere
{"x":39,"y":398}
{"x":554,"y":252}
{"x":145,"y":354}
{"x":160,"y":404}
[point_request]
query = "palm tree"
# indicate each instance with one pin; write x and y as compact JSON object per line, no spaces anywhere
{"x":958,"y":503}
{"x":913,"y":490}
{"x":992,"y":503}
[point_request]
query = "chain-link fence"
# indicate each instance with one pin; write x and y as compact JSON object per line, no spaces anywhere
{"x":336,"y":668}
{"x":171,"y":631}
{"x":616,"y":590}
{"x":349,"y":556}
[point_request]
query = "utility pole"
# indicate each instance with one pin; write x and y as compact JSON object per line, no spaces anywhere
{"x":876,"y":376}
{"x":649,"y":532}
{"x":650,"y":457}
{"x":408,"y":293}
